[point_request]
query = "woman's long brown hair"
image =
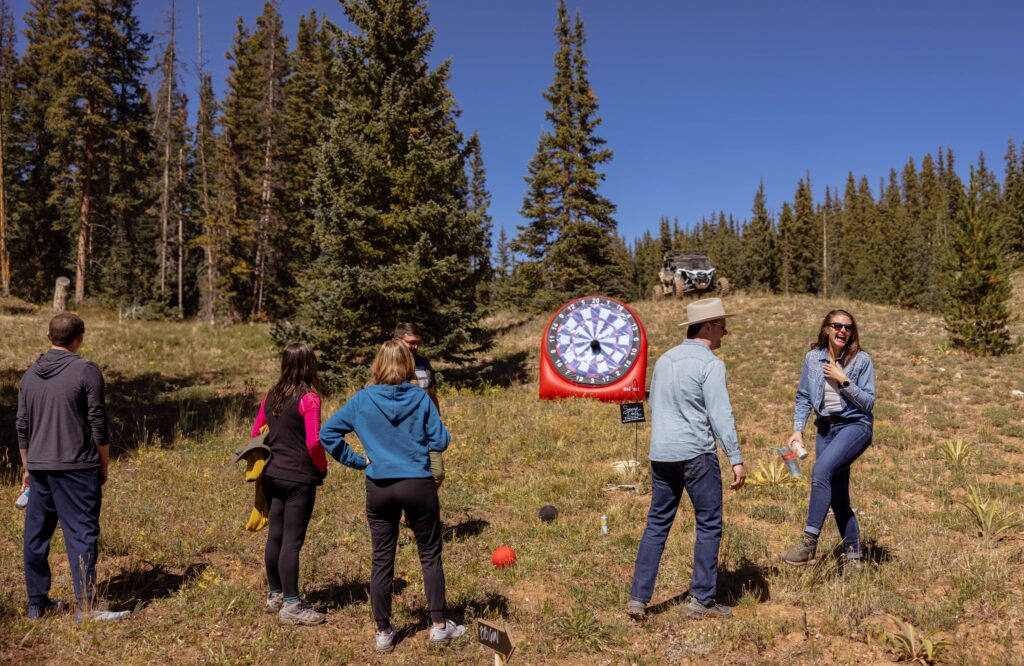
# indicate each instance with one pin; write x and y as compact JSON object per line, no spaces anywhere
{"x":298,"y":376}
{"x":852,"y":345}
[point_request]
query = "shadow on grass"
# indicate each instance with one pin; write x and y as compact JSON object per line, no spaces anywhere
{"x":467,"y":528}
{"x":132,"y":590}
{"x":489,"y":605}
{"x":146,"y":409}
{"x":748,"y":578}
{"x":503,"y":372}
{"x":348,"y":593}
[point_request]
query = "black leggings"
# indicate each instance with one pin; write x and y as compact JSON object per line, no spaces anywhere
{"x":291,"y":505}
{"x":385,"y":501}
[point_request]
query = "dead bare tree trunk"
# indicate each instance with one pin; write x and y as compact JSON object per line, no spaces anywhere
{"x":5,"y":255}
{"x":165,"y":199}
{"x":266,"y":187}
{"x":84,"y":240}
{"x":181,"y":235}
{"x":60,"y":295}
{"x":209,"y":308}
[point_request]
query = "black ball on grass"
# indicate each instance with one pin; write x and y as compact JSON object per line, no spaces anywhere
{"x":547,"y":513}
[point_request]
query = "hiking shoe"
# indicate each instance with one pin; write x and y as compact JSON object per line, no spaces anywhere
{"x":51,"y":607}
{"x":697,"y":611}
{"x":97,"y":615}
{"x":300,"y":613}
{"x":636,"y":610}
{"x":448,"y":632}
{"x":274,"y":602}
{"x":802,"y":553}
{"x":385,"y":640}
{"x":853,"y":563}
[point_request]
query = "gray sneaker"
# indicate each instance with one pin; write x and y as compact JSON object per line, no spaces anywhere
{"x":274,"y":602}
{"x":300,"y":613}
{"x":385,"y":640}
{"x":51,"y":607}
{"x":802,"y":553}
{"x":636,"y":610}
{"x":97,"y":615}
{"x":447,"y":633}
{"x":695,"y":610}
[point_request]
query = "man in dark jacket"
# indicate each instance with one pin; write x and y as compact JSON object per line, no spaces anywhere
{"x":62,"y":437}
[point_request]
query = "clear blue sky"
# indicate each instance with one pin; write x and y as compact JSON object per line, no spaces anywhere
{"x":702,"y":100}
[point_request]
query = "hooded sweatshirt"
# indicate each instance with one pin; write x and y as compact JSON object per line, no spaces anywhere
{"x":62,"y":418}
{"x":397,"y":426}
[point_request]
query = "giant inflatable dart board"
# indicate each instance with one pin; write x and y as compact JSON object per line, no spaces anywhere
{"x":594,"y":347}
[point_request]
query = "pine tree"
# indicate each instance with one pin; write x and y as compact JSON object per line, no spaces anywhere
{"x":393,"y":230}
{"x":800,"y":237}
{"x":8,"y":65}
{"x":760,"y":262}
{"x":478,"y":202}
{"x":253,"y":122}
{"x":569,"y":239}
{"x":787,"y":249}
{"x":1013,"y":203}
{"x":36,"y":228}
{"x":977,"y":294}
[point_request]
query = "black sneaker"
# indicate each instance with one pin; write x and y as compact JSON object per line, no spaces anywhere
{"x":695,"y":610}
{"x":51,"y":607}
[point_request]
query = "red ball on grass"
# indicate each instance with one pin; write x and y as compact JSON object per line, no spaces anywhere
{"x":503,"y":556}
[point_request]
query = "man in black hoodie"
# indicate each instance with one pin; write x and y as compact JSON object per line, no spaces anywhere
{"x":62,"y":436}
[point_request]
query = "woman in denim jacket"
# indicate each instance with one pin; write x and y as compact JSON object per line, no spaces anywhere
{"x":838,"y":383}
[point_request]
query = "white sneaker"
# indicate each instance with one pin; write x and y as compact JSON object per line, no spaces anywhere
{"x":448,"y":632}
{"x":100,"y":616}
{"x":385,"y":640}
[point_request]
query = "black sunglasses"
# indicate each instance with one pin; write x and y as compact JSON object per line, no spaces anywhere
{"x":836,"y":326}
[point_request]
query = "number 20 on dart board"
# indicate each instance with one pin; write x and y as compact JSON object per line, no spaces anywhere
{"x":594,"y":347}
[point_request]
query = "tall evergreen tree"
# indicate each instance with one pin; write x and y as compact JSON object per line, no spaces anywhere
{"x":393,"y":229}
{"x":1013,"y":202}
{"x":801,"y":240}
{"x":253,"y":122}
{"x":760,"y":262}
{"x":569,"y":239}
{"x":978,"y":290}
{"x":787,"y":245}
{"x":478,"y":203}
{"x":36,"y":228}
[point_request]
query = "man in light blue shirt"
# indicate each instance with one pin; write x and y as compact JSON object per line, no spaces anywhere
{"x":690,"y":410}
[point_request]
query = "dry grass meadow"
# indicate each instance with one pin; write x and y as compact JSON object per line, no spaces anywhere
{"x":182,"y":396}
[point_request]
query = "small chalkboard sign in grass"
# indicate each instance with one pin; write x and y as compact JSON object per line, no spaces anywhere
{"x":497,"y":640}
{"x":632,"y":412}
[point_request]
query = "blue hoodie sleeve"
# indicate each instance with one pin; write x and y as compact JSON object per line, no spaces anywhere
{"x":437,"y":435}
{"x":332,"y":436}
{"x":802,"y":408}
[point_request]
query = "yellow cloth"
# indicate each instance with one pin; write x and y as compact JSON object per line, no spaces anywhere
{"x":255,"y":461}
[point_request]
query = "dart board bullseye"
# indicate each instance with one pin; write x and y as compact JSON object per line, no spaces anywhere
{"x":594,"y":347}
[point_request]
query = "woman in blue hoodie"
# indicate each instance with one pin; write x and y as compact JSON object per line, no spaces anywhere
{"x":398,"y":425}
{"x":838,"y":385}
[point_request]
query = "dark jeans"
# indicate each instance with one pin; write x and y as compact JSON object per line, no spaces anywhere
{"x":291,"y":505}
{"x":702,"y":480}
{"x":385,"y":501}
{"x":73,"y":498}
{"x":836,"y":447}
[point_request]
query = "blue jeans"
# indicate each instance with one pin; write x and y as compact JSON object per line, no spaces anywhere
{"x":702,"y":480}
{"x":836,"y":447}
{"x":73,"y":498}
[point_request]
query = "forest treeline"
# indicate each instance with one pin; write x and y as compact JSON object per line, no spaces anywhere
{"x":329,"y":189}
{"x":888,"y":243}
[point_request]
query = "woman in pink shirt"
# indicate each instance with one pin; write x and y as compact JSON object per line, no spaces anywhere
{"x":290,"y":415}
